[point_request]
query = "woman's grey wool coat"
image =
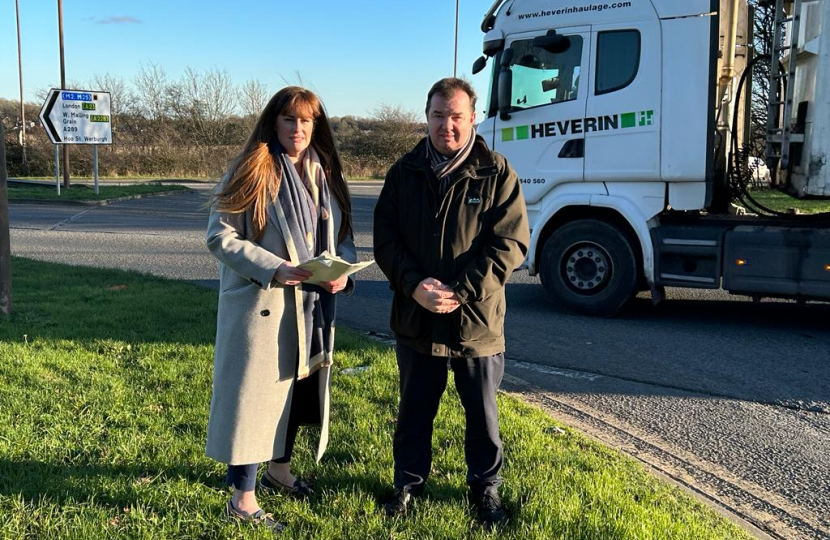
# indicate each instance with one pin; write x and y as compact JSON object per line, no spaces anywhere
{"x":255,"y":359}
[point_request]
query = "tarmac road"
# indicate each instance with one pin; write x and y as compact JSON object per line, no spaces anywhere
{"x":729,"y":398}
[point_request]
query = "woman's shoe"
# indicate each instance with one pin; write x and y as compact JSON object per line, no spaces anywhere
{"x":270,"y":485}
{"x":257,"y":518}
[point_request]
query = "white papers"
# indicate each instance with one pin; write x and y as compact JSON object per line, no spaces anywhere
{"x":329,"y":267}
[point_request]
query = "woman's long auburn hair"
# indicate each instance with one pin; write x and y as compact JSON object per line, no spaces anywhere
{"x":254,"y":176}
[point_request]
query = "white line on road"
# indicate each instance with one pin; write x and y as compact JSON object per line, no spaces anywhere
{"x":559,"y":372}
{"x":70,"y":220}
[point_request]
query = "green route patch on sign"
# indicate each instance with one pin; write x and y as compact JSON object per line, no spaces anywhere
{"x":578,"y":125}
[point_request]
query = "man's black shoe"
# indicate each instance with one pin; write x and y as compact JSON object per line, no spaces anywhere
{"x":490,"y":509}
{"x":396,"y":506}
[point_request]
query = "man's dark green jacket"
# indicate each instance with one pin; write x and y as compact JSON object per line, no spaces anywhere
{"x":471,"y":239}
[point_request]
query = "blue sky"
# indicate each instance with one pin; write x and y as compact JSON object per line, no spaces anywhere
{"x":355,"y":54}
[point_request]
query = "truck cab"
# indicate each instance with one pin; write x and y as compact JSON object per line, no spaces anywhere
{"x":614,"y":115}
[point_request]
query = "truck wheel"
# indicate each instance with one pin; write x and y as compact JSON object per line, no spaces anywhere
{"x":590,"y":267}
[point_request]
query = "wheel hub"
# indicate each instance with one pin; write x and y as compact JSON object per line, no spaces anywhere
{"x":586,"y":267}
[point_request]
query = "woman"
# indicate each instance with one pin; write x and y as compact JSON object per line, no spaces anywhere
{"x":284,"y":201}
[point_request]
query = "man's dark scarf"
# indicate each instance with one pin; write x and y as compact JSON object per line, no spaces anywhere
{"x":444,"y":166}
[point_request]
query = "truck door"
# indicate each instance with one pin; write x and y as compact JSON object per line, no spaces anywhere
{"x":543,"y":139}
{"x":622,"y":142}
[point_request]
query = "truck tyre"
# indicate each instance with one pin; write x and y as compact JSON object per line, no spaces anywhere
{"x":589,"y":266}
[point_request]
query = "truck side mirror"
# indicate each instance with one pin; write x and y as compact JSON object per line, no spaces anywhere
{"x":505,"y":85}
{"x":493,"y":44}
{"x":552,"y":42}
{"x":479,"y":64}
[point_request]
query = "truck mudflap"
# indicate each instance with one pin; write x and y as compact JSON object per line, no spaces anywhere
{"x":777,"y":261}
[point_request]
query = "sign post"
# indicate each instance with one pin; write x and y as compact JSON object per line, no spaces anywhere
{"x":95,"y":169}
{"x":57,"y":170}
{"x":5,"y":244}
{"x":78,"y":117}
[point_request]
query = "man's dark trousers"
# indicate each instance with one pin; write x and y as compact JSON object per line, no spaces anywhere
{"x":423,"y":381}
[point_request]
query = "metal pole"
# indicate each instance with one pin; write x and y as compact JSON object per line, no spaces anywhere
{"x":455,"y":56}
{"x":95,"y":169}
{"x":63,"y":86}
{"x":25,"y":168}
{"x":57,"y":171}
{"x":5,"y":241}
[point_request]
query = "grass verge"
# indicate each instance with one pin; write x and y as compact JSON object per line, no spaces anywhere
{"x":104,"y":389}
{"x":85,"y":193}
{"x":781,"y":202}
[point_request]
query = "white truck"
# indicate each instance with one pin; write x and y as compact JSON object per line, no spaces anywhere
{"x":623,"y":120}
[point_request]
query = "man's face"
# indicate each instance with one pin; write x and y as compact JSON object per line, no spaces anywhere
{"x":450,"y":122}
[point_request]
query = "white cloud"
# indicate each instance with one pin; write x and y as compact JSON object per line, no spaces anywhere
{"x":119,"y":19}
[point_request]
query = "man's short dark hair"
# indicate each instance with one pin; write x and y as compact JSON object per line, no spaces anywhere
{"x":448,"y":86}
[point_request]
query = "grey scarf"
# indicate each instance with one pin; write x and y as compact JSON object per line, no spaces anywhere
{"x":308,"y":232}
{"x":444,"y":166}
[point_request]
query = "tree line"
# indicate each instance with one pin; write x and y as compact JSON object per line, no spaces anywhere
{"x":192,"y":127}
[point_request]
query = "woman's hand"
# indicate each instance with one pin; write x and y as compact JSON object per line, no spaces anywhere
{"x":288,"y":274}
{"x":335,"y":286}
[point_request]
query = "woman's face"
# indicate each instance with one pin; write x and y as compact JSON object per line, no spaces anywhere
{"x":294,"y":131}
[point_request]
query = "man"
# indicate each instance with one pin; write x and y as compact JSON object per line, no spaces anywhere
{"x":450,"y":227}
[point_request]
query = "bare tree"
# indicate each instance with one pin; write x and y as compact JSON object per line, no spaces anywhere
{"x":121,"y":97}
{"x":151,"y":85}
{"x":370,"y":146}
{"x":763,"y":33}
{"x":203,"y":101}
{"x":42,"y":92}
{"x":71,"y":84}
{"x":253,"y":96}
{"x":210,"y":94}
{"x":395,"y":130}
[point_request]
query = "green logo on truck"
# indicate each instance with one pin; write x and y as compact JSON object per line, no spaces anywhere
{"x":578,"y":125}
